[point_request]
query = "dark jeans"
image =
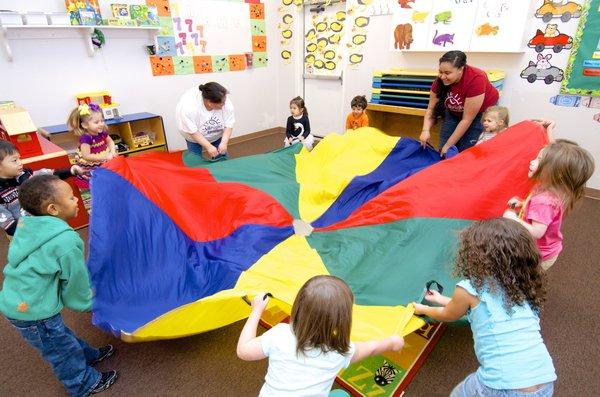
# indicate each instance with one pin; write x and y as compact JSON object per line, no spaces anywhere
{"x":468,"y":139}
{"x":196,"y":148}
{"x":68,"y":355}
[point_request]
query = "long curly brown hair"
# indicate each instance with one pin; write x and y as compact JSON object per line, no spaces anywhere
{"x":502,"y":255}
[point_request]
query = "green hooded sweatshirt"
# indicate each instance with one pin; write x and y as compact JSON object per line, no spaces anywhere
{"x":45,"y":272}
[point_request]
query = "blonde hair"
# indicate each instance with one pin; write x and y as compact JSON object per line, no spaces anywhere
{"x":564,"y":168}
{"x":322,"y":315}
{"x":75,"y":119}
{"x":502,"y":113}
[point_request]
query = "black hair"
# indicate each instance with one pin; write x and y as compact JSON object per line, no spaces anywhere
{"x":7,"y":149}
{"x":359,"y":101}
{"x":36,"y":192}
{"x":213,"y":92}
{"x":298,"y":101}
{"x":458,"y":59}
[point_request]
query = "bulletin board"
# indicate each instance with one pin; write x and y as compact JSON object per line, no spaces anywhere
{"x":582,"y":76}
{"x":467,"y":25}
{"x":206,"y":36}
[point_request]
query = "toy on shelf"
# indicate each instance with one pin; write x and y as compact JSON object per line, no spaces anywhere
{"x":142,"y":139}
{"x":17,"y":127}
{"x":84,"y":12}
{"x":110,"y":109}
{"x":411,"y":88}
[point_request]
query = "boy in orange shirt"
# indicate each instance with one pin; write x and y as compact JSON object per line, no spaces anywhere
{"x":357,"y":118}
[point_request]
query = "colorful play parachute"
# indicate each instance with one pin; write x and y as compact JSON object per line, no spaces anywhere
{"x":176,"y":242}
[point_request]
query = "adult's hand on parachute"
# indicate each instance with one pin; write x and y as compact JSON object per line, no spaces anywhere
{"x":212,"y":151}
{"x":424,"y":137}
{"x":260,"y":302}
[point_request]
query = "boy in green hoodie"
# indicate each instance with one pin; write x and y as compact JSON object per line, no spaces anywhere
{"x":45,"y":272}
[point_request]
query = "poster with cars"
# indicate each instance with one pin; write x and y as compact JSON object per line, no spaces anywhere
{"x":582,"y":75}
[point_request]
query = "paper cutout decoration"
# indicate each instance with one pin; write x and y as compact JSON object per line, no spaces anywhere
{"x":542,"y":70}
{"x":183,"y":44}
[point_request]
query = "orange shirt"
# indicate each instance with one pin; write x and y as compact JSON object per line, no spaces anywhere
{"x":353,"y":123}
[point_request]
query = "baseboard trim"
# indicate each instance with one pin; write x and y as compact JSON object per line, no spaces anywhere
{"x":592,"y":193}
{"x":256,"y":135}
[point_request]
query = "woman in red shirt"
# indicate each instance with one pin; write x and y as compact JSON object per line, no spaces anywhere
{"x":459,"y":95}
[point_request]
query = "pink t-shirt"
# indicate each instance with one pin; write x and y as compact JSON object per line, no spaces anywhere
{"x":547,"y":208}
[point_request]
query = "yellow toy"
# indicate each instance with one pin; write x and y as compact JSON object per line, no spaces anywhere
{"x":110,"y":109}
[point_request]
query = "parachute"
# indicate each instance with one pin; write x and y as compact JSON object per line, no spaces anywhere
{"x":177,"y":243}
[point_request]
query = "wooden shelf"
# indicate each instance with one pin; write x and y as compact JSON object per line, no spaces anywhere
{"x":396,"y":109}
{"x":126,"y":127}
{"x":28,"y":32}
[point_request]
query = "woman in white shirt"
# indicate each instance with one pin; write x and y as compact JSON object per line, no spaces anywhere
{"x":205,"y":118}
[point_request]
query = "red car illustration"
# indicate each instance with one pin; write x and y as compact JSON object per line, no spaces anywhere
{"x":557,"y":43}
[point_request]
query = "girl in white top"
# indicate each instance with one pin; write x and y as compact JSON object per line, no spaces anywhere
{"x":494,"y":121}
{"x":306,"y":355}
{"x":205,"y":118}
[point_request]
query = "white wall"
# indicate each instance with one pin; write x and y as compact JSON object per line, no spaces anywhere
{"x":523,"y":99}
{"x":47,"y":73}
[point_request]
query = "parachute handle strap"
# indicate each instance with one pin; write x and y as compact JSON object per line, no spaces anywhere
{"x":247,"y":300}
{"x":438,"y":286}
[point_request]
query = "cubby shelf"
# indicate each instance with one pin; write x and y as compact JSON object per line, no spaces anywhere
{"x":126,"y":127}
{"x":20,"y":32}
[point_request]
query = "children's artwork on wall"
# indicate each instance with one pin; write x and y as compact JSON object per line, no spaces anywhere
{"x":468,"y":25}
{"x":358,"y":18}
{"x":575,"y":101}
{"x":288,"y":12}
{"x":542,"y":69}
{"x":564,"y":10}
{"x":550,"y":38}
{"x":323,"y":42}
{"x":582,"y":75}
{"x":206,"y":36}
{"x":499,"y":24}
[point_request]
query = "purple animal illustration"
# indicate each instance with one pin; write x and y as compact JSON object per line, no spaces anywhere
{"x":443,"y":39}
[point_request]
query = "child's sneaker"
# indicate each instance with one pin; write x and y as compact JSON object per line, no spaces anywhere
{"x":105,"y":352}
{"x":106,"y":380}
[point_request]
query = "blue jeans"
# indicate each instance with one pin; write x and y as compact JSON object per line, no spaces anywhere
{"x":196,"y":148}
{"x":68,"y":355}
{"x":472,"y":386}
{"x":468,"y":139}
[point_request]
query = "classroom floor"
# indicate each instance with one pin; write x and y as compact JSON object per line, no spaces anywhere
{"x":206,"y":364}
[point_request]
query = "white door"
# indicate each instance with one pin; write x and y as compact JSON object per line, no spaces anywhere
{"x":323,"y":89}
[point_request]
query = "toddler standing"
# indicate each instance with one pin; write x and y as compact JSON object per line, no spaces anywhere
{"x":45,"y":272}
{"x":560,"y":171}
{"x":501,"y":292}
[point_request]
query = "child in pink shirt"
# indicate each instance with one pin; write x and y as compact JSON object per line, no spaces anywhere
{"x":560,"y":171}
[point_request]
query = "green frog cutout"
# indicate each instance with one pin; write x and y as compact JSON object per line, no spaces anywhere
{"x":443,"y":17}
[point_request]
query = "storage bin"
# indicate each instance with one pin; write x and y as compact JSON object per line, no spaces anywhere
{"x":58,"y":18}
{"x":10,"y":18}
{"x":35,"y":18}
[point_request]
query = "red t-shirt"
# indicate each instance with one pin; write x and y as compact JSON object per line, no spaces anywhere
{"x":474,"y":82}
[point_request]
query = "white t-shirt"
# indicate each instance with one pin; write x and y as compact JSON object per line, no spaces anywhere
{"x":310,"y":374}
{"x":192,"y":116}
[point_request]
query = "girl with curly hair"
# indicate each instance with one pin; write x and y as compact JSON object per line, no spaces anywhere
{"x":501,"y":292}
